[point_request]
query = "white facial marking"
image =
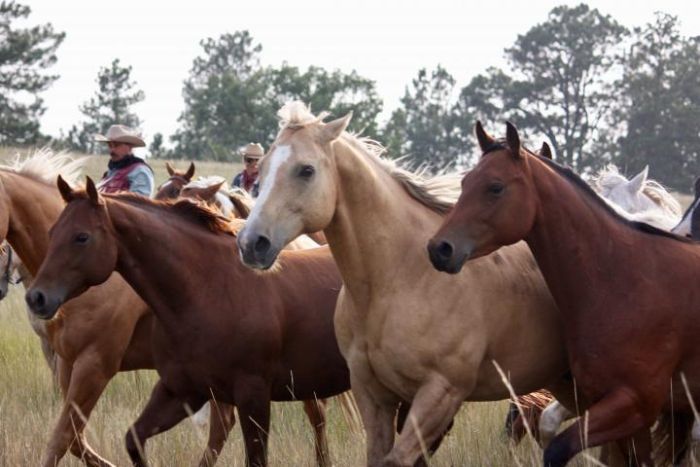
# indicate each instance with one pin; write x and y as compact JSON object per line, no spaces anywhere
{"x":277,"y":158}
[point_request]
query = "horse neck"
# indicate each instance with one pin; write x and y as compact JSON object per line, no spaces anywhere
{"x":377,"y":225}
{"x":157,"y":253}
{"x":571,"y":237}
{"x":33,"y":207}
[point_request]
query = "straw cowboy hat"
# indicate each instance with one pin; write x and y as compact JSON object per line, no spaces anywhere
{"x":121,"y":134}
{"x":253,"y":150}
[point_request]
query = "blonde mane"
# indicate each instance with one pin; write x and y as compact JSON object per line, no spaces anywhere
{"x":45,"y":165}
{"x":438,"y":193}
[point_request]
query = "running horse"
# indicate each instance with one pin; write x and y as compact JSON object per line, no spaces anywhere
{"x":86,"y":358}
{"x":221,"y":331}
{"x":407,"y":332}
{"x":626,"y":290}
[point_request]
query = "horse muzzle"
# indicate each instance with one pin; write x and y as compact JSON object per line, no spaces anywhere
{"x":445,"y":257}
{"x":42,"y":304}
{"x":257,"y":251}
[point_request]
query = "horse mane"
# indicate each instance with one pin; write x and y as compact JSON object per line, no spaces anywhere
{"x":610,"y":176}
{"x":206,"y":182}
{"x":438,"y":193}
{"x":44,"y":165}
{"x":195,"y":213}
{"x":577,"y":181}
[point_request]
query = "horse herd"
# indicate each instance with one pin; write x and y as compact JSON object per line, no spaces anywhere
{"x":596,"y":305}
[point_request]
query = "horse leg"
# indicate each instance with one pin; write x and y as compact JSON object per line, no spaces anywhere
{"x":83,"y":383}
{"x":316,"y":411}
{"x":552,"y":417}
{"x":422,"y":461}
{"x":377,"y":416}
{"x":222,"y":417}
{"x":615,"y":417}
{"x":163,"y":411}
{"x":253,"y":402}
{"x":432,"y":410}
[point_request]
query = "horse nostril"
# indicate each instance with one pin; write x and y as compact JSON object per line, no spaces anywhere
{"x":445,"y":250}
{"x":37,"y":299}
{"x":262,"y":244}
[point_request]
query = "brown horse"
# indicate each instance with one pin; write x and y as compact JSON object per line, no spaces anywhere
{"x":88,"y":357}
{"x":408,"y":332}
{"x":627,"y":291}
{"x":222,"y":330}
{"x":170,"y":189}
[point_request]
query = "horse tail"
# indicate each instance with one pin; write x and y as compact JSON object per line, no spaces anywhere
{"x":531,"y":407}
{"x":670,"y":437}
{"x":351,"y":412}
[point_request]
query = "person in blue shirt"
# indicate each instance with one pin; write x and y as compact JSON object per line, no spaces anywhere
{"x":125,"y":172}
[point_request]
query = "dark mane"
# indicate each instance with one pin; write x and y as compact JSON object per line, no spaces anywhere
{"x":196,"y":213}
{"x":577,"y":181}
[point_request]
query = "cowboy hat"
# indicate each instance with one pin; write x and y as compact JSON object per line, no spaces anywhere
{"x":121,"y":134}
{"x":254,"y":150}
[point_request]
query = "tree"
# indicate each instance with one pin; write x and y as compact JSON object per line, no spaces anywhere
{"x":156,"y":148}
{"x":661,"y":104}
{"x":424,"y":127}
{"x":24,"y":55}
{"x":230,"y":100}
{"x":558,"y":84}
{"x":112,"y":103}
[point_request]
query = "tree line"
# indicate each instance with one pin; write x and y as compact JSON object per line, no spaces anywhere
{"x":597,"y":91}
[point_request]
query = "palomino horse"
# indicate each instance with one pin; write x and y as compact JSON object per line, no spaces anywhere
{"x":222,"y":331}
{"x":626,"y":290}
{"x":88,"y":357}
{"x":407,"y":332}
{"x":689,"y":225}
{"x":170,"y":189}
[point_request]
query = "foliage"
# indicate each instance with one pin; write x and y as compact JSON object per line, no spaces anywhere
{"x":24,"y":55}
{"x":557,"y":84}
{"x":661,"y":105}
{"x":424,"y":127}
{"x":111,"y":104}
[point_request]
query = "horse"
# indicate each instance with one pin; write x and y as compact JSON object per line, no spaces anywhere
{"x":170,"y":189}
{"x":689,"y":225}
{"x":87,"y":357}
{"x":222,"y":331}
{"x":407,"y":332}
{"x":632,"y":354}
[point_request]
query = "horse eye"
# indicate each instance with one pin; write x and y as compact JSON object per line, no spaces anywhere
{"x":306,"y":171}
{"x":82,"y":238}
{"x":496,"y":188}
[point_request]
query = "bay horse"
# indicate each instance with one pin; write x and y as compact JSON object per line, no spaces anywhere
{"x":407,"y":332}
{"x":626,"y":290}
{"x":87,"y":357}
{"x":170,"y":189}
{"x":223,"y":331}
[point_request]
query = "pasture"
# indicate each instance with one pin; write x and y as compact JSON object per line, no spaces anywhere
{"x":29,"y":403}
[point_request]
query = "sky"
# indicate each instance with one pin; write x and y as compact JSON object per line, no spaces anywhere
{"x":386,"y":41}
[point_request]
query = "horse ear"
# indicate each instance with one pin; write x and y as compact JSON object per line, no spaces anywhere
{"x":92,"y":192}
{"x":637,"y":183}
{"x":333,"y":129}
{"x":65,"y":189}
{"x":190,"y":172}
{"x":485,"y":141}
{"x":546,"y":151}
{"x":513,"y":139}
{"x":210,"y":191}
{"x":170,"y":169}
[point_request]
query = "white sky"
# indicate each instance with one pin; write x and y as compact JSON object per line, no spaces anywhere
{"x":387,"y":41}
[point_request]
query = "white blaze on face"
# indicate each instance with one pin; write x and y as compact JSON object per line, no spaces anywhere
{"x":277,"y":159}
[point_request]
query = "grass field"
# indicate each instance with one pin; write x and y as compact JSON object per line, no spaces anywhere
{"x":29,"y":404}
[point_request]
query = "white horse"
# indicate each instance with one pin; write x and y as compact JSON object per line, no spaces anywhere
{"x":638,"y":199}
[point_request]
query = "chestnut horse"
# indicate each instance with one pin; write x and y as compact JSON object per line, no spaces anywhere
{"x":87,"y":357}
{"x":407,"y":332}
{"x":222,"y":330}
{"x":170,"y":189}
{"x":626,"y":290}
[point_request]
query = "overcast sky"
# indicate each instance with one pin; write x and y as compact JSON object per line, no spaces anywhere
{"x":387,"y":41}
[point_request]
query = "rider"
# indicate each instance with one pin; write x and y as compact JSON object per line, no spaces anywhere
{"x":248,"y":178}
{"x":125,"y":172}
